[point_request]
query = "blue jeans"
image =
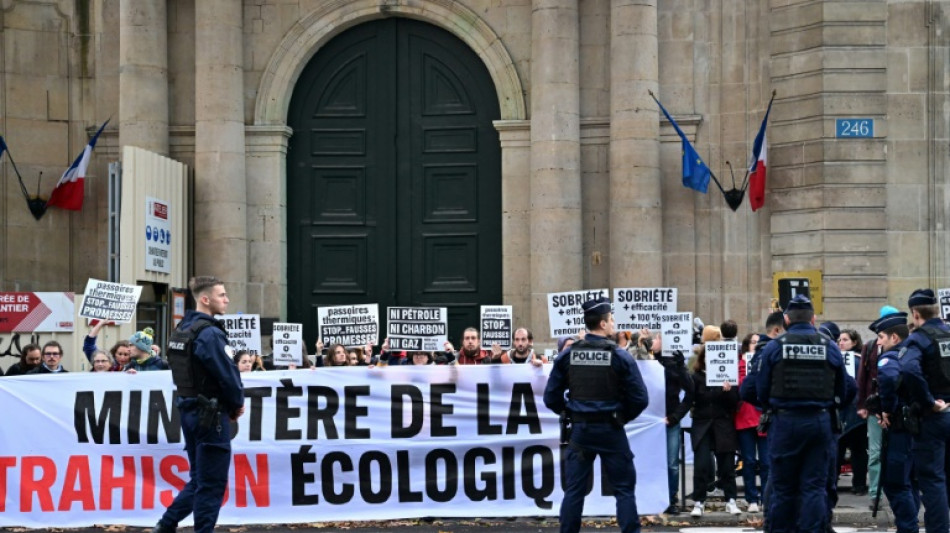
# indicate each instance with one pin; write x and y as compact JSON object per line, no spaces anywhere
{"x":209,"y":460}
{"x":755,"y":452}
{"x":673,"y":442}
{"x":799,"y":453}
{"x":930,"y":454}
{"x":588,"y":441}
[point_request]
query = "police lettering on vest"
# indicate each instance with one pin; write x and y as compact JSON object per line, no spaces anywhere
{"x":591,"y":376}
{"x":803,"y":373}
{"x":935,"y":362}
{"x":189,"y":375}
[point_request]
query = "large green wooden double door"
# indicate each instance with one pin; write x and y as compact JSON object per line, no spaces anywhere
{"x":394,"y":176}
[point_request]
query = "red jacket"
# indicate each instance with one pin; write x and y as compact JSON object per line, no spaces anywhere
{"x":747,"y":416}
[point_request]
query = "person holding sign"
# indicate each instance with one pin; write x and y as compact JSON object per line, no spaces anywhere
{"x":523,"y":350}
{"x":855,"y":434}
{"x":598,"y":386}
{"x":801,"y":375}
{"x":210,"y":397}
{"x":713,"y":434}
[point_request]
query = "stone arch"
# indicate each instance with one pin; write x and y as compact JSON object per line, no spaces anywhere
{"x":319,"y":26}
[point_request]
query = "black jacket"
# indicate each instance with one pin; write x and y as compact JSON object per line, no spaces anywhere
{"x":677,"y":379}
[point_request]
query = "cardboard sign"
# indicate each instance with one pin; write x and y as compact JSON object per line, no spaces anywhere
{"x":496,"y":326}
{"x":29,"y":312}
{"x":676,"y":332}
{"x":639,"y":308}
{"x":849,"y":359}
{"x":943,"y":298}
{"x":244,"y":332}
{"x":565,"y":314}
{"x":288,"y":344}
{"x":417,"y":328}
{"x":722,"y":363}
{"x":158,"y":236}
{"x":114,"y":302}
{"x":349,"y":325}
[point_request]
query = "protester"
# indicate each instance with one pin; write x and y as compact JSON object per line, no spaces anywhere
{"x":121,"y":351}
{"x":854,"y":436}
{"x":30,"y":357}
{"x":677,"y":381}
{"x":244,"y":361}
{"x":52,"y":360}
{"x":101,"y":362}
{"x":753,"y":446}
{"x":144,"y":359}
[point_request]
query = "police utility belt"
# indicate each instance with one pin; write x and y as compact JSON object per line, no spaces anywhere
{"x":602,"y":417}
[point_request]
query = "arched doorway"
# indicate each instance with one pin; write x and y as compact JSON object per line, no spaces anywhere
{"x":393,"y":178}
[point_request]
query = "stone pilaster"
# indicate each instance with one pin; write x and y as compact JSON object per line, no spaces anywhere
{"x":267,"y":219}
{"x":220,"y":219}
{"x":515,"y":139}
{"x":143,"y":75}
{"x":636,"y":224}
{"x":556,"y":222}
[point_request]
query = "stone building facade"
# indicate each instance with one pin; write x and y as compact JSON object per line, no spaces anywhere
{"x":589,"y":185}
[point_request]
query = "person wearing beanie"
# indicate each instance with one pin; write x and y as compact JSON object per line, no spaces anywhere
{"x":800,"y":376}
{"x":599,"y":386}
{"x":901,"y":493}
{"x":143,"y":359}
{"x":925,"y":375}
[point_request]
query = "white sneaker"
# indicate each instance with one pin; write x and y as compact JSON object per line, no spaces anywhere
{"x":698,"y":508}
{"x":715,"y":493}
{"x":753,"y":508}
{"x":732,"y":508}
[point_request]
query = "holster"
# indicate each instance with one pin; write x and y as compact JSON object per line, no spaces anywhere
{"x":566,"y":427}
{"x":765,"y":420}
{"x":208,"y":411}
{"x":836,"y":426}
{"x":910,"y":418}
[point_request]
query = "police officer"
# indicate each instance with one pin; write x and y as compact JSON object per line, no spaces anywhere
{"x":800,"y":377}
{"x":896,"y":482}
{"x":210,"y":397}
{"x":925,"y":371}
{"x":605,"y":391}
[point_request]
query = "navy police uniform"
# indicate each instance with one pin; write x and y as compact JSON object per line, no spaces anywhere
{"x":897,"y":483}
{"x":925,"y":371}
{"x":604,"y":391}
{"x":204,"y":373}
{"x":800,"y":377}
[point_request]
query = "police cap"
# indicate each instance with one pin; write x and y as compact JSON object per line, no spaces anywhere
{"x":921,"y":297}
{"x":800,"y":302}
{"x":596,"y":307}
{"x":831,"y":330}
{"x":887,"y":322}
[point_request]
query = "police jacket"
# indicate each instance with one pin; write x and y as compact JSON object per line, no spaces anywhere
{"x":209,"y":350}
{"x":914,"y":369}
{"x":772,"y":356}
{"x":631,"y":397}
{"x":888,"y":378}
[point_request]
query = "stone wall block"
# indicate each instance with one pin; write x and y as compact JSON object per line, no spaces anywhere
{"x":797,"y":243}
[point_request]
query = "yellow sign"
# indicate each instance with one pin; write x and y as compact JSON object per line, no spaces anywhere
{"x":793,"y":278}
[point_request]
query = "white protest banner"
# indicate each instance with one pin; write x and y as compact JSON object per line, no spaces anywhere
{"x":849,"y":359}
{"x":334,"y":444}
{"x":943,"y":298}
{"x":496,"y":326}
{"x":288,"y":344}
{"x":722,"y":363}
{"x":565,"y":314}
{"x":637,"y":308}
{"x":244,"y":332}
{"x":417,"y":328}
{"x":676,"y":333}
{"x":349,"y":325}
{"x":29,"y":312}
{"x":158,"y":236}
{"x":109,"y":301}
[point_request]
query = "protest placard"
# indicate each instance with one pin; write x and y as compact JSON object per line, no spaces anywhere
{"x":244,"y":332}
{"x":848,"y":359}
{"x":496,"y":326}
{"x":287,"y":342}
{"x":417,"y":328}
{"x":638,"y":308}
{"x":105,"y":300}
{"x":349,"y":325}
{"x":676,"y":332}
{"x":565,"y":314}
{"x":943,"y":297}
{"x":722,"y":363}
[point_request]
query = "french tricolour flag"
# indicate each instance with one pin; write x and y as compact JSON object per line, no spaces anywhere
{"x":68,"y":193}
{"x":758,"y":165}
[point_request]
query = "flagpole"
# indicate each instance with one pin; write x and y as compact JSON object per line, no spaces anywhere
{"x":17,"y":171}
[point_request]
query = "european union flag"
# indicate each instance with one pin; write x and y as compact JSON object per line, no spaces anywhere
{"x":695,"y":172}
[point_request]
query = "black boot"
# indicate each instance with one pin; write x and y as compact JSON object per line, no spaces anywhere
{"x":162,"y":528}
